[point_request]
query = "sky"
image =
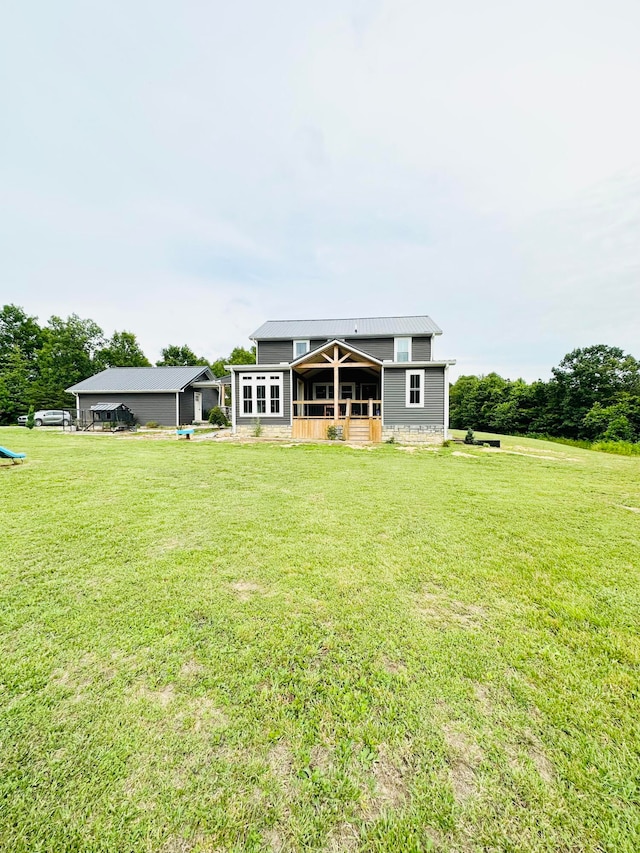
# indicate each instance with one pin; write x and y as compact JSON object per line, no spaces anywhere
{"x":189,"y":170}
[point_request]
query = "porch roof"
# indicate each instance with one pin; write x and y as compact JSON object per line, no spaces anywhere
{"x":303,"y":359}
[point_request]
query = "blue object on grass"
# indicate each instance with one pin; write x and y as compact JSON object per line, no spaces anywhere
{"x":187,"y":432}
{"x":9,"y":454}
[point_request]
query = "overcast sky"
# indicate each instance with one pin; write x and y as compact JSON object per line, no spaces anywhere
{"x":187,"y":170}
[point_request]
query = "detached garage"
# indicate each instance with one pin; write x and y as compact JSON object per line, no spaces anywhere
{"x":167,"y":395}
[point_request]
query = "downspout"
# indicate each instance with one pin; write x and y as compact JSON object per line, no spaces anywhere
{"x":177,"y":408}
{"x":446,"y":402}
{"x":233,"y":401}
{"x":336,"y":387}
{"x":290,"y":397}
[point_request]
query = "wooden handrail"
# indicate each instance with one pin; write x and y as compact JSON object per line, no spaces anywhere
{"x":347,"y":408}
{"x":330,"y":402}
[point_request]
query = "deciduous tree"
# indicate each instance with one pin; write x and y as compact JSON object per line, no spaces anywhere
{"x":180,"y":356}
{"x":122,"y":350}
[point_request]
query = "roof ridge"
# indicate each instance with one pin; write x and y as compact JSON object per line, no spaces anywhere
{"x":352,"y":317}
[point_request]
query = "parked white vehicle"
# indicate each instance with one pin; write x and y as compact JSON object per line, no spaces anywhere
{"x":48,"y":417}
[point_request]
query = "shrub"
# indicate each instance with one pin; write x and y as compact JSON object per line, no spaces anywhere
{"x":217,"y":417}
{"x":257,"y":428}
{"x":30,"y":418}
{"x":469,"y":437}
{"x":622,"y":448}
{"x":332,"y":432}
{"x":618,"y":429}
{"x":152,"y":424}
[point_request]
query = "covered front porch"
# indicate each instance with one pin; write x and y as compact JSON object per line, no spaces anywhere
{"x":339,"y":387}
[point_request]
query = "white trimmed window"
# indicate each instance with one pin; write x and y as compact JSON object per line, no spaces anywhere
{"x":261,"y":395}
{"x":415,"y":388}
{"x":300,"y":348}
{"x":402,"y":349}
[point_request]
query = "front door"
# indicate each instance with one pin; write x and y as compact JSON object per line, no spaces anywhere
{"x":197,"y":406}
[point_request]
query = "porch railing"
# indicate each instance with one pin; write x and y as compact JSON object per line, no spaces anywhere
{"x":347,"y":409}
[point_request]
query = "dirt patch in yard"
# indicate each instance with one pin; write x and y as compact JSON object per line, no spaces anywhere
{"x":197,"y":844}
{"x":438,"y":607}
{"x":541,"y":762}
{"x":465,"y":757}
{"x":245,"y":589}
{"x":206,"y":714}
{"x":536,"y":753}
{"x":560,"y":457}
{"x":391,"y":789}
{"x":280,"y":761}
{"x":273,"y":840}
{"x":483,"y":698}
{"x":191,"y":669}
{"x":394,"y":667}
{"x":530,"y":747}
{"x":162,"y":697}
{"x":320,"y":758}
{"x":343,"y":838}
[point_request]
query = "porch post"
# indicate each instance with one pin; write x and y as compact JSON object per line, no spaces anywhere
{"x":336,"y":386}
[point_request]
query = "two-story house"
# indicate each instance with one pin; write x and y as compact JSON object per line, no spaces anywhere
{"x":362,"y":379}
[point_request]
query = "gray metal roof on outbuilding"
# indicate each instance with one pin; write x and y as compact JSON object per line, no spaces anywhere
{"x":106,"y":407}
{"x":131,"y":379}
{"x":347,"y":327}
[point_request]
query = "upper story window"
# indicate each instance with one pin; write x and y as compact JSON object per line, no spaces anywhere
{"x":300,"y":348}
{"x":402,"y":349}
{"x":261,"y":394}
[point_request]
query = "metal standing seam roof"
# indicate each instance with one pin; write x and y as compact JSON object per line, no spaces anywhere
{"x":132,"y":379}
{"x":105,"y":407}
{"x":347,"y":327}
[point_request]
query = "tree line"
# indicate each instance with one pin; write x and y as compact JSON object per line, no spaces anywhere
{"x":37,"y":362}
{"x":593,"y":395}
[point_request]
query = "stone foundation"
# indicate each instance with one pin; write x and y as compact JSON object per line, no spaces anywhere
{"x":430,"y":434}
{"x":422,"y":434}
{"x":275,"y":431}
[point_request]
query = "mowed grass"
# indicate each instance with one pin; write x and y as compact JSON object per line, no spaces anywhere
{"x":218,"y":647}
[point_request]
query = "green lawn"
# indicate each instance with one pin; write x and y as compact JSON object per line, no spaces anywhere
{"x":218,"y":647}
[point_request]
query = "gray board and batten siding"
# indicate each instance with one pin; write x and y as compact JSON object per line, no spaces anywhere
{"x":266,"y":418}
{"x":382,"y":348}
{"x":397,"y":413}
{"x":157,"y":407}
{"x":187,"y":403}
{"x":276,"y":352}
{"x":421,"y":349}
